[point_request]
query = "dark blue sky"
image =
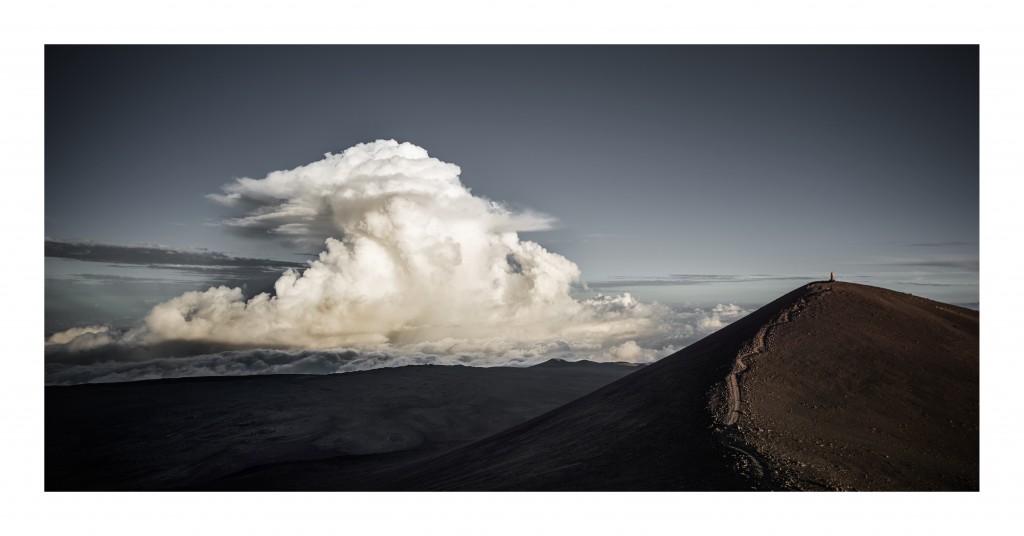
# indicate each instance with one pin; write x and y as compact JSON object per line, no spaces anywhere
{"x":655,"y":160}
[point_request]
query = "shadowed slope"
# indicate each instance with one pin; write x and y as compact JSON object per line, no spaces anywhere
{"x":816,"y":371}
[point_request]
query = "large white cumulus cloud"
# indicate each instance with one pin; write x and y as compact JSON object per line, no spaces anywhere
{"x":413,"y":262}
{"x":414,"y":257}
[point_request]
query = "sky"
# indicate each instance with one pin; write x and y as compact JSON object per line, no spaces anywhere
{"x":692,"y":176}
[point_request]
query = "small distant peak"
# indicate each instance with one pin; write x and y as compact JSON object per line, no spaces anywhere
{"x":553,"y":362}
{"x":556,"y":362}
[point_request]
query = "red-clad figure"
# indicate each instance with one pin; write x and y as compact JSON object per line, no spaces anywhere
{"x":831,"y":276}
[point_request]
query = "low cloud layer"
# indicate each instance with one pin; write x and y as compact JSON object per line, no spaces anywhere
{"x":98,"y":354}
{"x":413,"y":265}
{"x":964,"y":264}
{"x":152,"y":255}
{"x":692,"y":279}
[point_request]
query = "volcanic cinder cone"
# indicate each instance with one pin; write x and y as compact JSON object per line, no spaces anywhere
{"x":832,"y":386}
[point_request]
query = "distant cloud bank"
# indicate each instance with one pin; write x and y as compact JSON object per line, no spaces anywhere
{"x":692,"y":279}
{"x":151,"y":255}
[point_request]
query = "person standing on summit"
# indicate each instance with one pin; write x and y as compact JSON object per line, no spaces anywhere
{"x":831,"y":276}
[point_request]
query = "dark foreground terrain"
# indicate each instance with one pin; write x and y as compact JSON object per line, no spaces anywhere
{"x":834,"y":386}
{"x":333,"y":432}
